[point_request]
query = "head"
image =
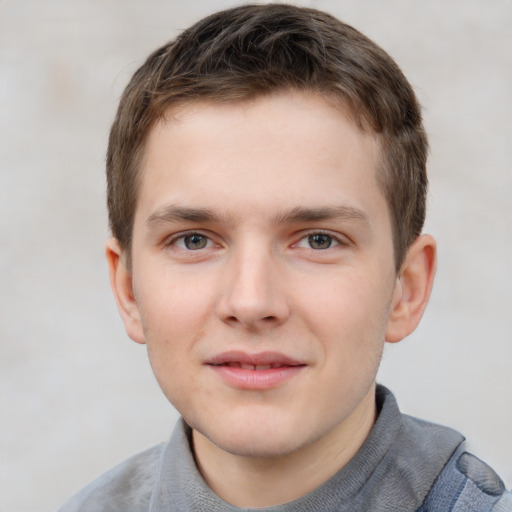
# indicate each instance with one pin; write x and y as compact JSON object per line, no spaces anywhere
{"x":257,"y":50}
{"x":266,"y":194}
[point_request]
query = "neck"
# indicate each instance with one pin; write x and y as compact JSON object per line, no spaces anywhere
{"x":255,"y":482}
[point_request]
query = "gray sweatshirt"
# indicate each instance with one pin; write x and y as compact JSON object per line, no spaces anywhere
{"x":393,"y":471}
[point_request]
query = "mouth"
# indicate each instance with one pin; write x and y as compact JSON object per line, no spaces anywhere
{"x":255,"y":371}
{"x":254,"y":367}
{"x":259,"y":361}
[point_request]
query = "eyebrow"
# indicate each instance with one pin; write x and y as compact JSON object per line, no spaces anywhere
{"x":301,"y":214}
{"x":174,"y":213}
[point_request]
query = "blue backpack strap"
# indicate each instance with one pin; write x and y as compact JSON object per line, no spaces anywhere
{"x":466,"y":484}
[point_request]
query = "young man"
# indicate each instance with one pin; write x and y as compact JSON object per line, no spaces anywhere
{"x":266,"y":192}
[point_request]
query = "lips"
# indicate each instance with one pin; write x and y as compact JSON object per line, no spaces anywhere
{"x":255,"y":371}
{"x":253,"y":367}
{"x":260,"y":361}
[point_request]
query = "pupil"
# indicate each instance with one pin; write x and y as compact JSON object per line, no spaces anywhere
{"x":320,"y":241}
{"x":195,"y":242}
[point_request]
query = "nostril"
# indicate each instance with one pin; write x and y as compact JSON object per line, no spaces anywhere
{"x":233,"y":319}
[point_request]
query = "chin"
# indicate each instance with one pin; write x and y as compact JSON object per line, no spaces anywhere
{"x":256,"y":438}
{"x":257,"y":446}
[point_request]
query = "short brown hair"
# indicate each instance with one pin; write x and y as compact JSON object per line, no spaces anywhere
{"x":240,"y":53}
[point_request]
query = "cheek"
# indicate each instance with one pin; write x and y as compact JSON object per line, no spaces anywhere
{"x":352,"y":302}
{"x":174,"y":312}
{"x":170,"y":342}
{"x":171,"y":301}
{"x":348,"y":321}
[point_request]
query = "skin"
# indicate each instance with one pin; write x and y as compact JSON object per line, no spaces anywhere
{"x":260,"y":228}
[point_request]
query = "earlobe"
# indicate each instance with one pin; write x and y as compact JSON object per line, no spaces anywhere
{"x":122,"y":288}
{"x":412,"y":289}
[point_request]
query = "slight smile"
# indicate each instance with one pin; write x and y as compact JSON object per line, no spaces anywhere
{"x":261,"y":371}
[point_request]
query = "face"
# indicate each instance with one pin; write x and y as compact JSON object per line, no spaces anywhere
{"x":262,"y":270}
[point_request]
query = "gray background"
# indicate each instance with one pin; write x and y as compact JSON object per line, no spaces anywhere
{"x":76,"y":395}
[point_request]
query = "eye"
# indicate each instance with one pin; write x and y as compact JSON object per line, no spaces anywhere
{"x":193,"y":242}
{"x":318,"y":241}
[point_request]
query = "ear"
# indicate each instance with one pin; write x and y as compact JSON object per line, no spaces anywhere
{"x":412,"y":289}
{"x":122,"y":287}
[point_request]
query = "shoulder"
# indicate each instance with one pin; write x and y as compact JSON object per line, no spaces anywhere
{"x":125,"y":487}
{"x":427,"y":432}
{"x":435,"y":463}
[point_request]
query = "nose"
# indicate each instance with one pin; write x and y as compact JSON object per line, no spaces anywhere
{"x":253,"y":294}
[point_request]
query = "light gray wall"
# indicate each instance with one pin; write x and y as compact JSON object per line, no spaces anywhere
{"x":76,"y":396}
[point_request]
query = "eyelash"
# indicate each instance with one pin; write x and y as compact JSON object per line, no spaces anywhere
{"x":338,"y":241}
{"x":182,"y":236}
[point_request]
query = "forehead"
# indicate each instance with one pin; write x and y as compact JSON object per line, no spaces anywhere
{"x":274,"y":152}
